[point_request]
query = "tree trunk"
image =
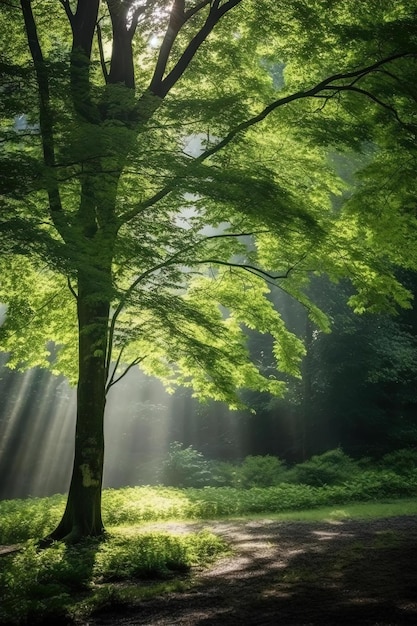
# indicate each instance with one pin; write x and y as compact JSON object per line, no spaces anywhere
{"x":82,"y":516}
{"x":307,"y":404}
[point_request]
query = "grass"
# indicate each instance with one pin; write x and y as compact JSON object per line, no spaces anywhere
{"x":35,"y":517}
{"x":64,"y":581}
{"x":360,"y":510}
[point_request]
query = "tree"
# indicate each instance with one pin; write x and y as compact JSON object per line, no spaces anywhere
{"x":156,"y":185}
{"x":362,"y":377}
{"x":379,"y":352}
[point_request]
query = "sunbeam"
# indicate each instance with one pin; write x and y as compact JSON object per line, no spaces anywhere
{"x":36,"y":434}
{"x":137,"y":427}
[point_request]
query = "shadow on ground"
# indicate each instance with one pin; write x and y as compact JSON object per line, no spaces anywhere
{"x":345,"y":572}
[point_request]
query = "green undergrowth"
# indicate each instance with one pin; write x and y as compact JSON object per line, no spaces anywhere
{"x":61,"y":582}
{"x":359,"y":511}
{"x":134,"y":562}
{"x":35,"y":517}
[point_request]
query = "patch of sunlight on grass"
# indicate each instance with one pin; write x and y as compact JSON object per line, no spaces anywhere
{"x":133,"y":506}
{"x":363,"y":510}
{"x":138,"y":504}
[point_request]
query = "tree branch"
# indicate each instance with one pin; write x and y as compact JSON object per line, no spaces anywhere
{"x":252,"y":269}
{"x":116,"y":365}
{"x":243,"y":126}
{"x":176,"y":20}
{"x":225,"y":235}
{"x":83,"y":25}
{"x":45,"y":116}
{"x":71,"y":288}
{"x":161,"y":87}
{"x":188,"y":14}
{"x":135,"y":18}
{"x":128,"y":368}
{"x":101,"y":53}
{"x":66,"y":5}
{"x":175,"y":258}
{"x":309,"y":93}
{"x":337,"y":89}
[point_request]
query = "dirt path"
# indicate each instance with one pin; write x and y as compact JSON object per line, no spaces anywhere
{"x":347,"y":572}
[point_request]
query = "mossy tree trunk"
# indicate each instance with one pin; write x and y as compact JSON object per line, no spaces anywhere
{"x":82,"y":516}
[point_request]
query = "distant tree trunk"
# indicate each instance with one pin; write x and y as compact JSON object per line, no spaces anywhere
{"x":82,"y":516}
{"x":307,"y":404}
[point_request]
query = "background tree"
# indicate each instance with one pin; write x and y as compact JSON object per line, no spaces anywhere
{"x":362,"y":378}
{"x":373,"y":355}
{"x":131,"y":145}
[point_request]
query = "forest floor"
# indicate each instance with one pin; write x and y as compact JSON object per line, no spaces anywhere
{"x":333,"y":572}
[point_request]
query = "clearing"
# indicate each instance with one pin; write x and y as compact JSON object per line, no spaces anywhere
{"x":332,"y":572}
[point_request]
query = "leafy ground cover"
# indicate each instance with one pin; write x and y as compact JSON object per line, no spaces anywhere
{"x":61,"y":582}
{"x":35,"y":517}
{"x":67,"y":583}
{"x":336,"y":566}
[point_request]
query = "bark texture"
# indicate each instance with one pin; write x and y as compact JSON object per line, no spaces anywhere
{"x":82,"y":516}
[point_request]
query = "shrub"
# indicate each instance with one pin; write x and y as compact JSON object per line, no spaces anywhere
{"x":223,"y":474}
{"x":377,"y":485}
{"x":261,"y":471}
{"x":184,"y":467}
{"x":401,"y":461}
{"x":331,"y":468}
